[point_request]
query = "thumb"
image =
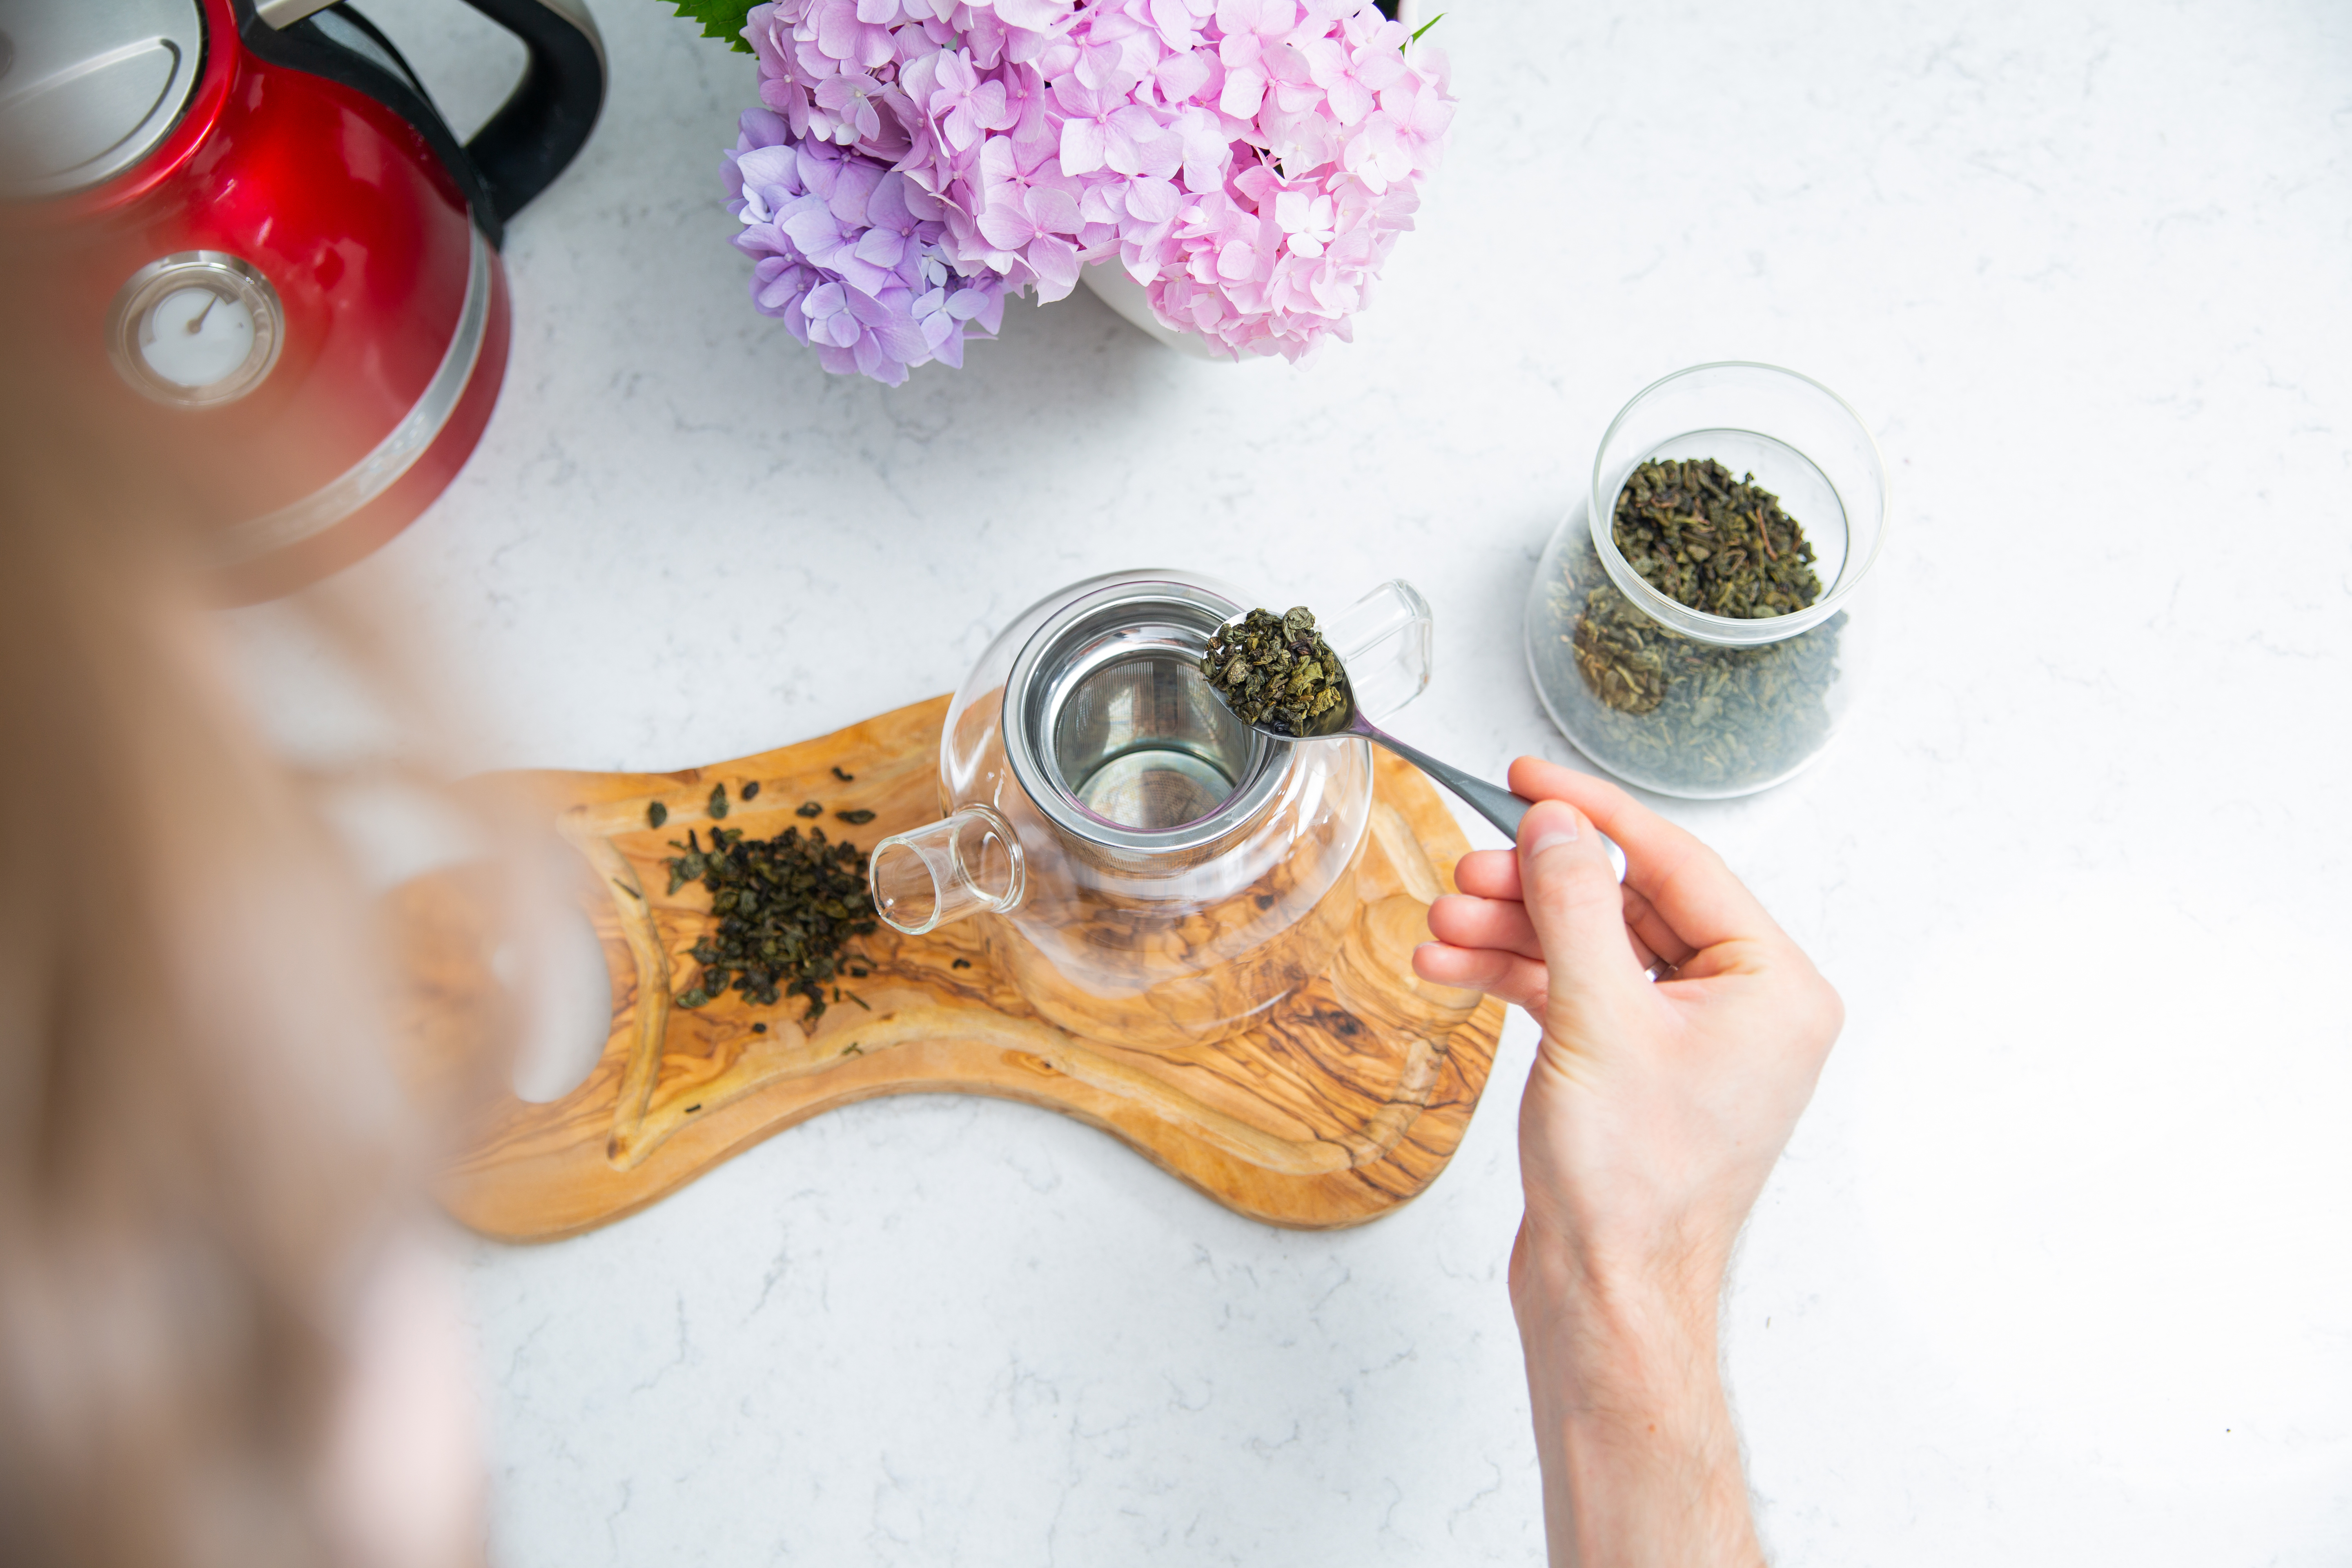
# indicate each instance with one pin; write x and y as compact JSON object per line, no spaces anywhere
{"x":1573,"y":900}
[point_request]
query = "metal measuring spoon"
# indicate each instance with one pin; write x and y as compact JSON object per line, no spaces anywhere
{"x":1492,"y":802}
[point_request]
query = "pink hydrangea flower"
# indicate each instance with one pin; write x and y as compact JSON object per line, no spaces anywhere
{"x":1250,"y":162}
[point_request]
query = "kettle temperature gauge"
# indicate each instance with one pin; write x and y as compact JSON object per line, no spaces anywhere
{"x":197,"y":328}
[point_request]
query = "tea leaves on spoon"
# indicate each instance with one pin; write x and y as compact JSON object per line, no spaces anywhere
{"x":1276,"y":670}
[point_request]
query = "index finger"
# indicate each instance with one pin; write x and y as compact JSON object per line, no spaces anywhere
{"x":1688,"y":883}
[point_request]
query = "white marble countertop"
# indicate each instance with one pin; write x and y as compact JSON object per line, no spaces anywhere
{"x":2059,"y":1266}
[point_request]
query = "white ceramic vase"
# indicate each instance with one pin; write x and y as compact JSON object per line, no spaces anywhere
{"x":1111,"y":284}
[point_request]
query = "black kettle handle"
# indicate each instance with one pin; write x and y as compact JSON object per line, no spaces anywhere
{"x":540,"y":129}
{"x":546,"y":120}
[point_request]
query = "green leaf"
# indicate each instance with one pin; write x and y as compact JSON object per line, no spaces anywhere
{"x":1425,"y":27}
{"x":719,"y":18}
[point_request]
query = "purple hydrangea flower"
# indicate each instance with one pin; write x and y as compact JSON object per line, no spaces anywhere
{"x":849,"y":255}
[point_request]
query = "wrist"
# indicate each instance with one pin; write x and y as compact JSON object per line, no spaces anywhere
{"x":1631,"y":1280}
{"x":1617,"y":1331}
{"x":1640,"y":1460}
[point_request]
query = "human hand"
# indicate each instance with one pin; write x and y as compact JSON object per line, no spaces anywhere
{"x":1653,"y":1115}
{"x":1654,"y":1111}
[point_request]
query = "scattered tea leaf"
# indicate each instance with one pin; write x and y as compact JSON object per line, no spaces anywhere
{"x":859,"y":818}
{"x":656,"y":814}
{"x":845,"y":778}
{"x":718,"y":800}
{"x":808,"y":808}
{"x":749,"y":791}
{"x":784,"y":907}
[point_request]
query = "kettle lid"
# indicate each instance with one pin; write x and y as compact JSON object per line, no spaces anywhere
{"x":88,"y":87}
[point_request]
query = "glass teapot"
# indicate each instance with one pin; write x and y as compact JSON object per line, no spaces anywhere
{"x":1149,"y":871}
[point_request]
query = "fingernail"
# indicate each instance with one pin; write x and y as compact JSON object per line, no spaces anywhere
{"x":1553,"y":838}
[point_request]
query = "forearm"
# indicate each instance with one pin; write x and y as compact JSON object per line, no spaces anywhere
{"x":1640,"y":1460}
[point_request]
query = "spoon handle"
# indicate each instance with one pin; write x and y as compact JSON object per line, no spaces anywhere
{"x":1492,"y":802}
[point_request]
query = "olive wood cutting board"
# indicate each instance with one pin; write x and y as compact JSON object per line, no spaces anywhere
{"x":1344,"y":1104}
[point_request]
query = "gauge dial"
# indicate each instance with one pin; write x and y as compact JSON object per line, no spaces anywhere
{"x":196,"y":330}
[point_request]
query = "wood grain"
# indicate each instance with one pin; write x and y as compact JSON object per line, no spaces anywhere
{"x":1346,"y":1101}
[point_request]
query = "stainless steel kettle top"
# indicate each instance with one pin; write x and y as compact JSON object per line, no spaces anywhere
{"x":88,"y":87}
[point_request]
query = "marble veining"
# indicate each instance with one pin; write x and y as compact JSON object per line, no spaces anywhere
{"x":2056,"y":1270}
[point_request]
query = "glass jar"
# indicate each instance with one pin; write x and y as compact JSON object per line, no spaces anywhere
{"x":1148,"y":870}
{"x":1675,"y":700}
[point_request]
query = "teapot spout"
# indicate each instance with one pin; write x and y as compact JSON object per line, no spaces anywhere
{"x":969,"y":863}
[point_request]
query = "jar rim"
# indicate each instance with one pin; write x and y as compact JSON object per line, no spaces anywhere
{"x":1730,"y":630}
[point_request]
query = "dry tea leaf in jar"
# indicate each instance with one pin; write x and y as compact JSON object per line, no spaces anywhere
{"x":1713,"y":542}
{"x":1620,"y":652}
{"x":1671,"y":712}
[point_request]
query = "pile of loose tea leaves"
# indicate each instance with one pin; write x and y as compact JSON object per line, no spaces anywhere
{"x":1674,"y":713}
{"x":1716,"y":543}
{"x":786,"y":907}
{"x":1275,"y":670}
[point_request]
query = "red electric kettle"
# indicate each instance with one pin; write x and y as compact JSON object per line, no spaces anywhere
{"x":253,"y":212}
